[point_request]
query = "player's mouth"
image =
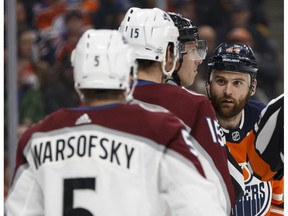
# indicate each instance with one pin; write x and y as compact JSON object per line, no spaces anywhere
{"x":226,"y":102}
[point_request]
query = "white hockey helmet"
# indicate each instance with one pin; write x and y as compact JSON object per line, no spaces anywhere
{"x":150,"y":31}
{"x":103,"y":59}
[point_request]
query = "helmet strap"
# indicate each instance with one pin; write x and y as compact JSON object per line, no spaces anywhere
{"x":130,"y":89}
{"x":175,"y":74}
{"x":168,"y":73}
{"x":81,"y":96}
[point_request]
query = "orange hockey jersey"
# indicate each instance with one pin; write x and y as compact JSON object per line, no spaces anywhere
{"x":259,"y":195}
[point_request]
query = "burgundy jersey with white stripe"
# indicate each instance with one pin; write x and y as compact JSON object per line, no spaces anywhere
{"x":196,"y":111}
{"x":110,"y":160}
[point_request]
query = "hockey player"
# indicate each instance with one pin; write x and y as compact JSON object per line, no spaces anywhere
{"x":154,"y":37}
{"x":192,"y":50}
{"x":108,"y":157}
{"x":231,"y":83}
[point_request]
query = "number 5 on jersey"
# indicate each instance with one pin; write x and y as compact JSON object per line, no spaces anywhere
{"x":70,"y":185}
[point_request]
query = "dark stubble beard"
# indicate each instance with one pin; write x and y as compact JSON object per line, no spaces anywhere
{"x":231,"y":111}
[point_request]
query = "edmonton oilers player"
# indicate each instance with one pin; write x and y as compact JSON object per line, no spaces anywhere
{"x":192,"y":51}
{"x":231,"y":82}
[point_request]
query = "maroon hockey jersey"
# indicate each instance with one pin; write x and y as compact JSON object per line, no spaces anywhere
{"x":78,"y":161}
{"x":196,"y":111}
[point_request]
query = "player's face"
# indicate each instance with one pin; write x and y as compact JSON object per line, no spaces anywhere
{"x":229,"y":92}
{"x":188,"y":70}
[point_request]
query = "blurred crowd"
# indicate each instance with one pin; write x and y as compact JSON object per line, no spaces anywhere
{"x":48,"y":30}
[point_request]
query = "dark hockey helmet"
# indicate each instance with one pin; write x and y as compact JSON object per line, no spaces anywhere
{"x":188,"y":33}
{"x":187,"y":30}
{"x":233,"y":57}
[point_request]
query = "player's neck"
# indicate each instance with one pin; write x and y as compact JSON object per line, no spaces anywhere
{"x":104,"y":102}
{"x":230,"y":123}
{"x":153,"y":74}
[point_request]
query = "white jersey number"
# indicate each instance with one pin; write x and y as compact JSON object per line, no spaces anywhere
{"x":189,"y":142}
{"x":216,"y":131}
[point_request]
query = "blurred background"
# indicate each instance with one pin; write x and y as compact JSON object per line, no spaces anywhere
{"x":39,"y":36}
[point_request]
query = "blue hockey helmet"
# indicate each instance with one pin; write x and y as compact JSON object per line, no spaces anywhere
{"x":233,"y":57}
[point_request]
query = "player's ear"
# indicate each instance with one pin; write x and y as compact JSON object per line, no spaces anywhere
{"x":253,"y":87}
{"x":169,"y":54}
{"x":170,"y":58}
{"x":208,"y":89}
